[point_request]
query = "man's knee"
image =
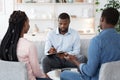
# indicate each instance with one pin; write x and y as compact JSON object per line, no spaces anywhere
{"x":45,"y":60}
{"x":64,"y":75}
{"x":46,"y":64}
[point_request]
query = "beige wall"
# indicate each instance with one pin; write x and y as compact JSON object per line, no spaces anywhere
{"x":9,"y":7}
{"x":98,"y":14}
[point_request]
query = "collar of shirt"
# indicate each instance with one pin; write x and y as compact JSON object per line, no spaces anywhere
{"x":110,"y":30}
{"x":69,"y":31}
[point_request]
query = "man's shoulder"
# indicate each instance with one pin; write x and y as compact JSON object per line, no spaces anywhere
{"x":73,"y":31}
{"x":97,"y":38}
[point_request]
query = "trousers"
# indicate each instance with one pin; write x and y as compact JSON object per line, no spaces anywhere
{"x":69,"y":75}
{"x":51,"y":62}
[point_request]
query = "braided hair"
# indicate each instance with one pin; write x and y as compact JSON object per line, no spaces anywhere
{"x":8,"y":47}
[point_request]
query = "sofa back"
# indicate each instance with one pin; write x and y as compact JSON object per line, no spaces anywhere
{"x":110,"y":71}
{"x":13,"y":71}
{"x":41,"y":45}
{"x":84,"y":46}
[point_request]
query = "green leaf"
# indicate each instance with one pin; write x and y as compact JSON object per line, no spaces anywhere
{"x":111,"y":3}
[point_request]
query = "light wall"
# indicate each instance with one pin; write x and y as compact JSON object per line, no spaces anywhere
{"x":9,"y":7}
{"x":98,"y":14}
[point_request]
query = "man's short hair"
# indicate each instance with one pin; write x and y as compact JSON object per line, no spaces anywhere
{"x":64,"y":16}
{"x":111,"y":15}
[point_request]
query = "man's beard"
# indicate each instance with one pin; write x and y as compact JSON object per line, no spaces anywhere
{"x":63,"y":31}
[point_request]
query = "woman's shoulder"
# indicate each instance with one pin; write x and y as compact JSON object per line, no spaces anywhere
{"x":25,"y":42}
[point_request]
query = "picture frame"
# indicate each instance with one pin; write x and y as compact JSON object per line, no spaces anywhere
{"x":2,"y":6}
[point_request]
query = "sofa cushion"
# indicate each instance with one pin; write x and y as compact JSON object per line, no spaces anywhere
{"x":84,"y":46}
{"x":13,"y":70}
{"x":110,"y":71}
{"x":40,"y":45}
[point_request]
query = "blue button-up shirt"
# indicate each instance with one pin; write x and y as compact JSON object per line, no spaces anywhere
{"x":69,"y":42}
{"x":103,"y":48}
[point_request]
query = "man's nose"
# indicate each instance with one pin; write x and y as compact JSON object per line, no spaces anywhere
{"x":62,"y":26}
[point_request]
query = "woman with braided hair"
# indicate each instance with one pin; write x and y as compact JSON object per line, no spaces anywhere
{"x":16,"y":48}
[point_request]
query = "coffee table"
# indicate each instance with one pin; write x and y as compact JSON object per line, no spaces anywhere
{"x":55,"y":74}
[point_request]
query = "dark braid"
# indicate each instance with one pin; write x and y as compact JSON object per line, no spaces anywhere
{"x":8,"y":47}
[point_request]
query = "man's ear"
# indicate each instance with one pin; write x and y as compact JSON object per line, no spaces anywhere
{"x":69,"y":21}
{"x":101,"y":19}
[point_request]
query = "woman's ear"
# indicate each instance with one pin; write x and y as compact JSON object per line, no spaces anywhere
{"x":24,"y":27}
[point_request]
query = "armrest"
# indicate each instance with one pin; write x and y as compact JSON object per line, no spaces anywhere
{"x":13,"y":70}
{"x":110,"y":71}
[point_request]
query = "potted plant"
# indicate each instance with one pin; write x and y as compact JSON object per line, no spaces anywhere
{"x":111,"y":3}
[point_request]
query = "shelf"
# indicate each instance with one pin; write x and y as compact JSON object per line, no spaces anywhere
{"x":41,"y":36}
{"x":79,"y":18}
{"x":71,"y":18}
{"x":42,"y":19}
{"x":75,"y":3}
{"x":45,"y":15}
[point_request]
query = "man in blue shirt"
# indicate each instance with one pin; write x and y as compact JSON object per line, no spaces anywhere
{"x":103,"y":48}
{"x":59,"y":43}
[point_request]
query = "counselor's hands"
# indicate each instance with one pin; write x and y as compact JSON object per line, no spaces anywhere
{"x":62,"y":54}
{"x":65,"y":55}
{"x":52,"y":51}
{"x":73,"y":59}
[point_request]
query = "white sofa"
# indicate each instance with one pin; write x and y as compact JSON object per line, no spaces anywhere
{"x":109,"y":71}
{"x":17,"y":70}
{"x":13,"y":71}
{"x":41,"y":44}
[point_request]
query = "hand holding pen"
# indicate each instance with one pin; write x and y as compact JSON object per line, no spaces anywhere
{"x":52,"y":50}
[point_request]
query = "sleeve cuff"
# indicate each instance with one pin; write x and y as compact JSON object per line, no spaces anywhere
{"x":80,"y":67}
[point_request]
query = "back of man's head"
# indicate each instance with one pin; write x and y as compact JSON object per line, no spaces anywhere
{"x":111,"y":15}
